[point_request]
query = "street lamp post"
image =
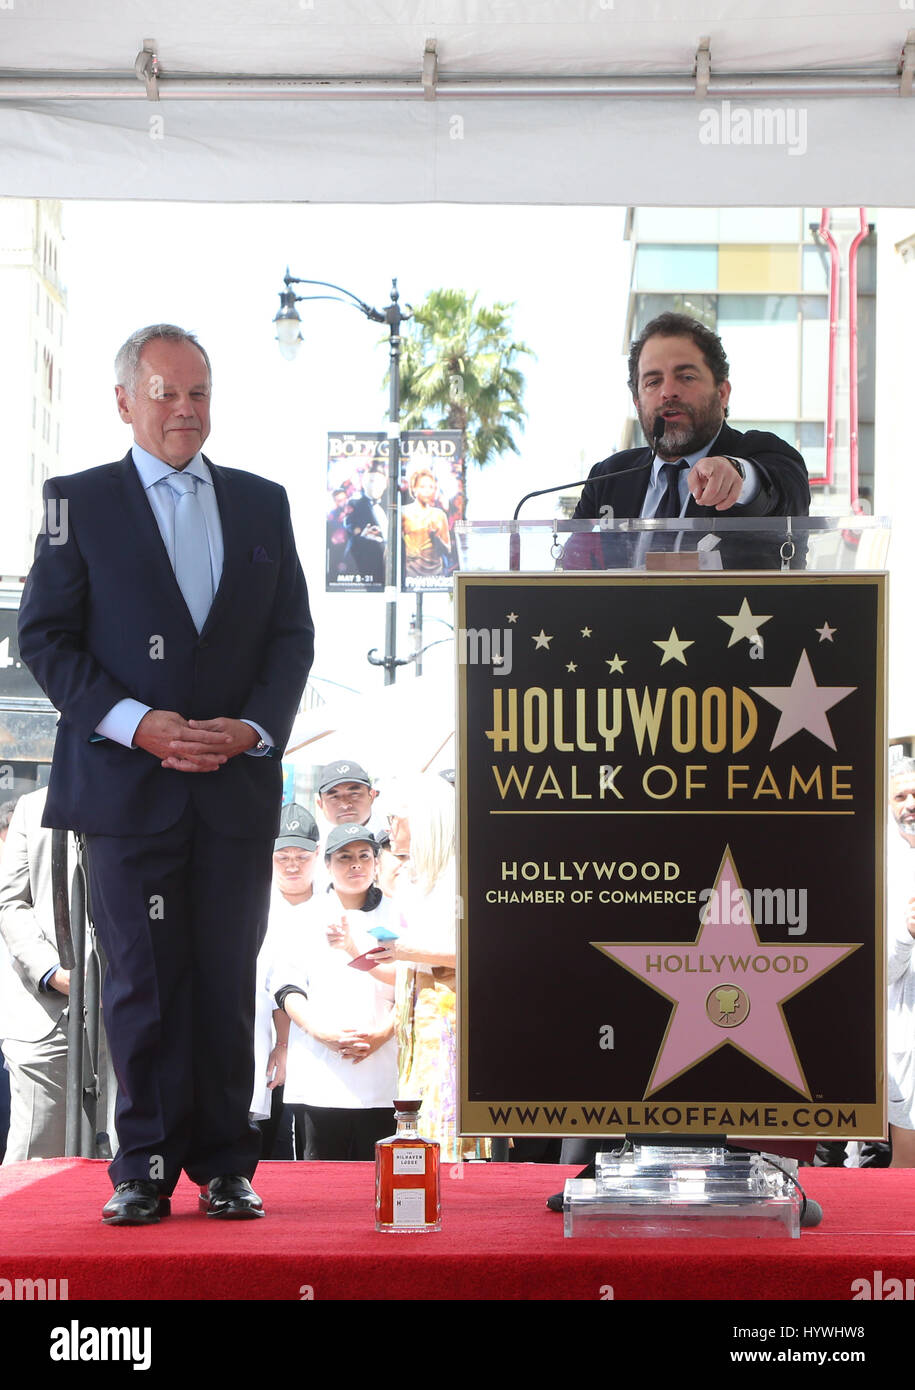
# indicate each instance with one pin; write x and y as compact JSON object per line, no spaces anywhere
{"x":289,"y":336}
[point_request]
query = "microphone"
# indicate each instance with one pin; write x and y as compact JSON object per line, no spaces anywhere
{"x":514,"y":544}
{"x":657,"y":434}
{"x":811,"y":1212}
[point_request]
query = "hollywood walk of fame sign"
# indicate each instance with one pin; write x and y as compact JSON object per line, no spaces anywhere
{"x":672,"y":812}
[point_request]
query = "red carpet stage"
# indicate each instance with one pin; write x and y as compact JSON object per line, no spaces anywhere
{"x":497,"y":1241}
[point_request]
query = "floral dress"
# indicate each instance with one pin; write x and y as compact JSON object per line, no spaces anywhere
{"x":425,"y":1012}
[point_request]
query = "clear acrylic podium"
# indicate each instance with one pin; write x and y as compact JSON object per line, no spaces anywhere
{"x":825,"y":544}
{"x":709,"y":1186}
{"x":690,"y":1190}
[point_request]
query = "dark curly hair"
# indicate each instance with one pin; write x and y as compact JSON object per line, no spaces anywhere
{"x":672,"y":325}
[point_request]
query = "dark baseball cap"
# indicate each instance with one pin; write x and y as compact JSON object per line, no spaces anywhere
{"x":298,"y":829}
{"x":332,"y":774}
{"x":347,"y":835}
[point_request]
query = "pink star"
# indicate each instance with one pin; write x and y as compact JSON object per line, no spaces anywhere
{"x":803,"y":704}
{"x":726,"y":977}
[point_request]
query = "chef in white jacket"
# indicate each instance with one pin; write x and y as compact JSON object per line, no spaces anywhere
{"x":295,"y":859}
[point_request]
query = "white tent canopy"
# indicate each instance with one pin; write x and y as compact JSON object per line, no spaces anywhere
{"x":540,"y":101}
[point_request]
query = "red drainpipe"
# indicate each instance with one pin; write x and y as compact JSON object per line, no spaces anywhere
{"x":825,"y":480}
{"x":863,"y":232}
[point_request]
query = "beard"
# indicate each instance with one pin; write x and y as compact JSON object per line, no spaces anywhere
{"x":700,"y":426}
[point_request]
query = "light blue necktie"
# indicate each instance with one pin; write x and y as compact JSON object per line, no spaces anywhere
{"x":192,"y":548}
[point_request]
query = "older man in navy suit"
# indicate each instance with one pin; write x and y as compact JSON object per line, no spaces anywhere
{"x":166,"y":616}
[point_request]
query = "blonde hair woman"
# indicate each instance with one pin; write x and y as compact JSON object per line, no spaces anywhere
{"x":421,"y":814}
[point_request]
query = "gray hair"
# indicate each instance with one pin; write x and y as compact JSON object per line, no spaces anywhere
{"x":128,"y":358}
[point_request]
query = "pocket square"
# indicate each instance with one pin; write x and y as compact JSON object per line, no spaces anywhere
{"x":259,"y":556}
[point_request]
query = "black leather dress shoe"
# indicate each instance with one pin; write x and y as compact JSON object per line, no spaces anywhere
{"x":232,"y":1198}
{"x":135,"y":1203}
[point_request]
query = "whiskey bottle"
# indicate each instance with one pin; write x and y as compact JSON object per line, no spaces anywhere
{"x":406,"y":1176}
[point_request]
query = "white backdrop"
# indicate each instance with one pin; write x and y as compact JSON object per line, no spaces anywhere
{"x":360,"y":145}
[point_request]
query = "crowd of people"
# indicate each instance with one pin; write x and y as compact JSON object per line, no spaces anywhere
{"x":355,"y":989}
{"x":360,"y":956}
{"x":355,"y":993}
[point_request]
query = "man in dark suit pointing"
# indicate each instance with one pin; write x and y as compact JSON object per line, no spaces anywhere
{"x":678,"y":373}
{"x":166,"y":616}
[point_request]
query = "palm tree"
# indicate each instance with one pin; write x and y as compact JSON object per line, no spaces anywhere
{"x":459,"y":372}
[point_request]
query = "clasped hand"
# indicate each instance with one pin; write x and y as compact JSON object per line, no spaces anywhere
{"x":352,"y":1043}
{"x":192,"y":745}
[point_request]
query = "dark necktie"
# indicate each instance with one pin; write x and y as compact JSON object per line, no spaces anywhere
{"x":669,"y":505}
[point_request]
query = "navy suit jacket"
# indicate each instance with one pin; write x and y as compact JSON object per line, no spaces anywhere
{"x":102,"y":618}
{"x":783,"y":490}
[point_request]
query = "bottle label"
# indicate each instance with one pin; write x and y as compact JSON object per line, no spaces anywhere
{"x":409,"y":1160}
{"x":409,"y":1206}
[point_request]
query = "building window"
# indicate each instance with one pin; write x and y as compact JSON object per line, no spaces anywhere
{"x":703,"y":307}
{"x":765,"y":269}
{"x":816,"y":269}
{"x":675,"y":268}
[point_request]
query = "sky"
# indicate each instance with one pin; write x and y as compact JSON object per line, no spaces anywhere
{"x":217,"y":269}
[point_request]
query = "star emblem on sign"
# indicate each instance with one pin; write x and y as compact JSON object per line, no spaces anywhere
{"x":673,"y":647}
{"x":743,"y":623}
{"x":727,"y":987}
{"x":803,"y":704}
